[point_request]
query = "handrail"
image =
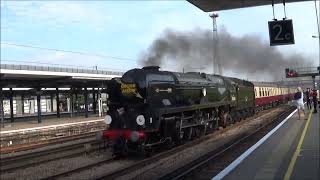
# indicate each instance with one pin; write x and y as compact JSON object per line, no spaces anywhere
{"x":58,"y":69}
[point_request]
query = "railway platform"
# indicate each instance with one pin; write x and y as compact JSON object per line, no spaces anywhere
{"x":52,"y":122}
{"x":29,"y":133}
{"x":291,"y":152}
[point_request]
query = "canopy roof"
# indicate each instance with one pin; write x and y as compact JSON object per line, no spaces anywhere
{"x":217,"y":5}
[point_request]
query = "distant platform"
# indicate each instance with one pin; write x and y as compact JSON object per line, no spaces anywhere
{"x":48,"y":123}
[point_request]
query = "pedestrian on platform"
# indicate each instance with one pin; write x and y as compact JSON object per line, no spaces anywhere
{"x":308,"y":98}
{"x":298,"y":97}
{"x":315,"y":101}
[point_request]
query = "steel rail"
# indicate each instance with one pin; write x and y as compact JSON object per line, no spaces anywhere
{"x":145,"y":162}
{"x":35,"y":158}
{"x":203,"y":161}
{"x":76,"y":170}
{"x":53,"y":141}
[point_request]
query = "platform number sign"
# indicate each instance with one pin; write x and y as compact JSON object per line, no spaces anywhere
{"x":281,"y":32}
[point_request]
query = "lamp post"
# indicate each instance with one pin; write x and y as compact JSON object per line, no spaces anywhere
{"x":214,"y":31}
{"x":318,"y":25}
{"x":314,"y":85}
{"x":318,"y":46}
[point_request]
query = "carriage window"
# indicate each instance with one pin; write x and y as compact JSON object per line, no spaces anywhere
{"x":265,"y":91}
{"x":260,"y":92}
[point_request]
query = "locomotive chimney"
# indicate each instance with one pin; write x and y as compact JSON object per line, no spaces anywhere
{"x":154,"y":68}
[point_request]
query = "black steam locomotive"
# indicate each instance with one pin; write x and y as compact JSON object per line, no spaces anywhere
{"x":149,"y":107}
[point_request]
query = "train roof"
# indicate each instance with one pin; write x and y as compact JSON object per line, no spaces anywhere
{"x":272,"y":84}
{"x":240,"y":81}
{"x":204,"y":78}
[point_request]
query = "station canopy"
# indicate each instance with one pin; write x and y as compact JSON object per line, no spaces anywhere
{"x":217,"y":5}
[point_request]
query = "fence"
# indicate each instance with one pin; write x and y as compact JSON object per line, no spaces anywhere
{"x":58,"y":69}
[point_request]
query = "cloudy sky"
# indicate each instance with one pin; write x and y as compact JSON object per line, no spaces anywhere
{"x":113,"y":34}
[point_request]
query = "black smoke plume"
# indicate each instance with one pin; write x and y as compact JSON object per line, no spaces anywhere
{"x":248,"y":56}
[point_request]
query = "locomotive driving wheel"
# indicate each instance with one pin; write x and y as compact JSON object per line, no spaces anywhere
{"x":229,"y":118}
{"x":222,"y":118}
{"x":225,"y":119}
{"x":147,"y":152}
{"x":120,"y":147}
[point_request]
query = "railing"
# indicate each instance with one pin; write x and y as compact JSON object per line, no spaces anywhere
{"x":58,"y":69}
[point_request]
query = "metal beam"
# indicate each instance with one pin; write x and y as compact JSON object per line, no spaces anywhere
{"x":94,"y":104}
{"x":1,"y":108}
{"x":51,"y":101}
{"x":86,"y":101}
{"x":58,"y":102}
{"x":71,"y":102}
{"x":39,"y":104}
{"x":11,"y":105}
{"x":22,"y":104}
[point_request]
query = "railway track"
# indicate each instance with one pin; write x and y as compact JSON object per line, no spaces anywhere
{"x":76,"y":170}
{"x":209,"y":165}
{"x":136,"y":164}
{"x":53,"y":141}
{"x":29,"y":138}
{"x":11,"y":163}
{"x":140,"y":164}
{"x":137,"y":170}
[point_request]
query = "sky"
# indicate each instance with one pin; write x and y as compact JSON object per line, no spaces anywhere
{"x":113,"y":34}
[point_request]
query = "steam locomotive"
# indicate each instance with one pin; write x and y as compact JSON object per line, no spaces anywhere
{"x":149,"y":107}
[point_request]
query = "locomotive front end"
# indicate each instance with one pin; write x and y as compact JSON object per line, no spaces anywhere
{"x":126,"y":118}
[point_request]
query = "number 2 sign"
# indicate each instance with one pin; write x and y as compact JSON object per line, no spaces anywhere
{"x":281,"y":32}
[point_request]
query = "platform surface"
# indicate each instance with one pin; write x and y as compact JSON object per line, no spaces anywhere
{"x":47,"y":122}
{"x":287,"y":154}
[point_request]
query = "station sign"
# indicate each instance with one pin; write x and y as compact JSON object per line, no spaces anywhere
{"x":281,"y":32}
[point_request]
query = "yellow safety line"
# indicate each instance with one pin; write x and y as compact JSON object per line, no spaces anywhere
{"x":297,"y":152}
